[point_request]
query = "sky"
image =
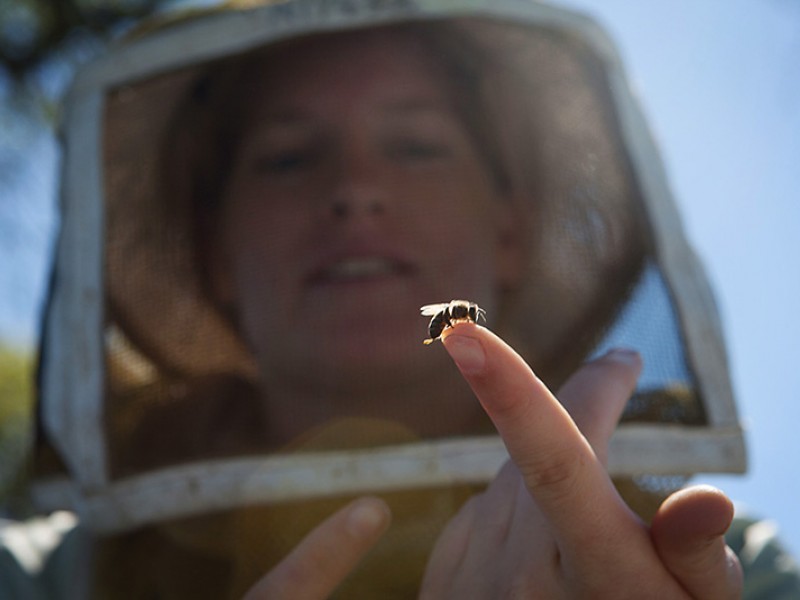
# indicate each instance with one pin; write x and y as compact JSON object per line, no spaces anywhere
{"x":720,"y":83}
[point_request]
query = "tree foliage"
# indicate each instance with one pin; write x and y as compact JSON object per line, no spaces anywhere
{"x":31,"y":31}
{"x":42,"y":42}
{"x":16,"y":387}
{"x":16,"y":407}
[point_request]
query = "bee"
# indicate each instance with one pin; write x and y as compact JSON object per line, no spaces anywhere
{"x":447,"y":314}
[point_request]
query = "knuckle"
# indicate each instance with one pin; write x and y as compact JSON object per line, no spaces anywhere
{"x":553,"y":474}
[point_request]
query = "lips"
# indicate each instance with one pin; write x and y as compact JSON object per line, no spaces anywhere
{"x":359,"y":268}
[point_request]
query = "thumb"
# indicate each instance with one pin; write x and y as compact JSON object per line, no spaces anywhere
{"x":688,"y":533}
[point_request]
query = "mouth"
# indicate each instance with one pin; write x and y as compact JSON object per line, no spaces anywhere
{"x":360,"y":269}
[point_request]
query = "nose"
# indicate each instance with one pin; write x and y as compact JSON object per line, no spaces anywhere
{"x":357,"y":189}
{"x":351,"y":205}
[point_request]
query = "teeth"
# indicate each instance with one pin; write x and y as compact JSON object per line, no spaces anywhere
{"x":360,"y":267}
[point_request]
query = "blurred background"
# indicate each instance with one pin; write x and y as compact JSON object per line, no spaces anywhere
{"x":720,"y":83}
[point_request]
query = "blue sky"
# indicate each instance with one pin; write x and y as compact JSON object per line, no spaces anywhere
{"x":720,"y":82}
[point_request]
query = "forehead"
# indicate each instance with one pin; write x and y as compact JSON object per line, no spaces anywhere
{"x":346,"y":68}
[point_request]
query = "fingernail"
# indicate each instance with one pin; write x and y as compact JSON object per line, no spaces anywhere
{"x":624,"y":355}
{"x":733,"y":570}
{"x":467,"y":352}
{"x":367,"y":516}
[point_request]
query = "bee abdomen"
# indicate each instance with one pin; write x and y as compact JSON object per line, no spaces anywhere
{"x":436,"y":326}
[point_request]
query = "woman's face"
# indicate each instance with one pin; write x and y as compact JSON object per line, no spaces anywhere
{"x":356,"y":196}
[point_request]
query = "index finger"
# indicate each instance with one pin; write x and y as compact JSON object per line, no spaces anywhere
{"x":327,"y":555}
{"x":561,"y":471}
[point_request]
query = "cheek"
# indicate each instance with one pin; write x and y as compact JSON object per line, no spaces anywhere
{"x":263,"y":271}
{"x":264,"y":227}
{"x":461,"y":251}
{"x":458,"y":219}
{"x":262,"y":293}
{"x":261,"y":247}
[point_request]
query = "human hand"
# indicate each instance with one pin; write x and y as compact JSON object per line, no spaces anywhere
{"x":315,"y":568}
{"x":552,"y":525}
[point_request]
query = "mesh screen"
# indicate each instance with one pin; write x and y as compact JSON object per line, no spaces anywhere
{"x":184,"y":383}
{"x":248,"y":329}
{"x":666,"y":390}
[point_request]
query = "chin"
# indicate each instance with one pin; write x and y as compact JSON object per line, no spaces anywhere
{"x":366,"y":358}
{"x":371,"y":349}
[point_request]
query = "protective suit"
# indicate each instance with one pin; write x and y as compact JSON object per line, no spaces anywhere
{"x":149,"y":421}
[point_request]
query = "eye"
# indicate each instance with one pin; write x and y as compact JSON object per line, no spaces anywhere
{"x":285,"y":161}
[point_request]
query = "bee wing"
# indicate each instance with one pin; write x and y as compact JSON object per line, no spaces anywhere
{"x":431,"y":309}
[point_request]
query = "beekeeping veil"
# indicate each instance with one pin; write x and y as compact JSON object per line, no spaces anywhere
{"x":137,"y":359}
